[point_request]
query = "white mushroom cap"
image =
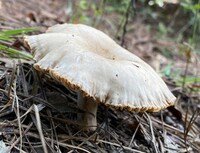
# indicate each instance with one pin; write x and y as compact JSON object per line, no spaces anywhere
{"x":84,"y":58}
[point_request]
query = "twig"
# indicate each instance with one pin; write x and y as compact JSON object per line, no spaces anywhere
{"x":85,"y":140}
{"x":115,"y":144}
{"x":13,"y":144}
{"x":31,"y":134}
{"x":133,"y":136}
{"x":168,"y":126}
{"x":17,"y":108}
{"x":191,"y":122}
{"x":53,"y":129}
{"x":11,"y":79}
{"x":126,"y":21}
{"x":188,"y":56}
{"x":152,"y":133}
{"x":39,"y":127}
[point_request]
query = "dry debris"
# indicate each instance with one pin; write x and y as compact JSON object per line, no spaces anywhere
{"x":31,"y":122}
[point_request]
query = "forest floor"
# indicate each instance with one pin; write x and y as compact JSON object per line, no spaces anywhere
{"x":23,"y":91}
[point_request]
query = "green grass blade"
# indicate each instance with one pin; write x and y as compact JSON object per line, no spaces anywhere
{"x":15,"y":53}
{"x":189,"y":79}
{"x":5,"y":38}
{"x":11,"y":32}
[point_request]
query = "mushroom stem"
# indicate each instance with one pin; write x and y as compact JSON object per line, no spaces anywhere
{"x":88,"y":117}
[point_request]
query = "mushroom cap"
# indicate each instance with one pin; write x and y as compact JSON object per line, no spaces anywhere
{"x":84,"y":58}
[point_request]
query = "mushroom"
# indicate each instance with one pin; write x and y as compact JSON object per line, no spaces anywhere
{"x":85,"y":59}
